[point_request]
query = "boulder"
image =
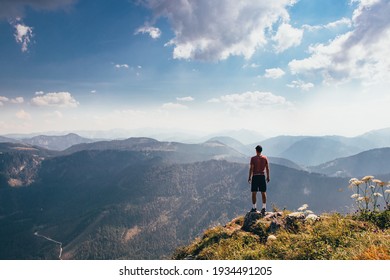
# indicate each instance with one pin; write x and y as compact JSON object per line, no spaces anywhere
{"x":250,"y":219}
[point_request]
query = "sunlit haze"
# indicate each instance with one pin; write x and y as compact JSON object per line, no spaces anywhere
{"x":197,"y":67}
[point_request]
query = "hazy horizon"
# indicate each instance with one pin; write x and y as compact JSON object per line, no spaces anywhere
{"x":286,"y":67}
{"x":244,"y":136}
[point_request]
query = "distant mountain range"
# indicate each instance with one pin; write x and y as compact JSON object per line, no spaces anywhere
{"x":137,"y":198}
{"x":372,"y":162}
{"x":302,"y":151}
{"x":50,"y":142}
{"x":309,"y":150}
{"x":111,"y":204}
{"x":306,"y":151}
{"x":6,"y":139}
{"x":57,"y":143}
{"x":174,"y":151}
{"x":140,"y":198}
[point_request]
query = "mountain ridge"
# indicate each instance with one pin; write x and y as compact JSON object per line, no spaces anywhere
{"x":138,"y":198}
{"x":90,"y":200}
{"x":374,"y":161}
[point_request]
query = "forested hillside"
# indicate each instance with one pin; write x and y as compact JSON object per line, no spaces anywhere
{"x":137,"y":205}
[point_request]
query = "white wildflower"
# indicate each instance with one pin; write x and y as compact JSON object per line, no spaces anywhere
{"x":360,"y":198}
{"x":299,"y":215}
{"x":377,"y":194}
{"x":372,"y":187}
{"x":377,"y":181}
{"x":387,"y":191}
{"x":367,"y":178}
{"x":353,"y":180}
{"x":354,"y":196}
{"x":312,"y":217}
{"x":303,"y":207}
{"x":356,"y":183}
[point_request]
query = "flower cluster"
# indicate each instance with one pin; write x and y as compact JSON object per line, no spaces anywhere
{"x":368,"y":191}
{"x":308,"y":214}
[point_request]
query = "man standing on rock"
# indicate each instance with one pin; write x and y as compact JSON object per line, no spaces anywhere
{"x":258,"y":168}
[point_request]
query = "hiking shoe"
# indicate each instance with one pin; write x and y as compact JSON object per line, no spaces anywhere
{"x":253,"y":210}
{"x":263,"y":212}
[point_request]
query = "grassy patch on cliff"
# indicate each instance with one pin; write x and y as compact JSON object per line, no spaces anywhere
{"x":361,"y":236}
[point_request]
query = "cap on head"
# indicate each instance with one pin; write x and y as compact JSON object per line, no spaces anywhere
{"x":259,"y":148}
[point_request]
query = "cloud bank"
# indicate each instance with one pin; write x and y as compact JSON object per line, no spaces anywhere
{"x":250,"y":99}
{"x":17,"y":100}
{"x":214,"y":30}
{"x":55,"y":99}
{"x":360,"y":54}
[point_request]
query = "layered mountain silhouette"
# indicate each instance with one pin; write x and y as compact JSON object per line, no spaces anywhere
{"x":141,"y":198}
{"x":310,"y":151}
{"x":57,"y":142}
{"x":176,"y":151}
{"x":375,"y":161}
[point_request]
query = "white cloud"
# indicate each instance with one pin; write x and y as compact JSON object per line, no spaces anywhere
{"x":153,"y":32}
{"x":332,"y":25}
{"x":301,"y":85}
{"x":39,"y":93}
{"x":23,"y":115}
{"x":185,"y":99}
{"x":121,"y":66}
{"x":252,"y":65}
{"x":23,"y":35}
{"x":17,"y":100}
{"x":55,"y":99}
{"x":3,"y":99}
{"x":287,"y":37}
{"x":173,"y":106}
{"x":274,"y":73}
{"x":342,"y":22}
{"x":251,"y":99}
{"x":214,"y":30}
{"x":362,"y":53}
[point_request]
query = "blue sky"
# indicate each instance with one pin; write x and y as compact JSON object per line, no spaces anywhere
{"x":274,"y":67}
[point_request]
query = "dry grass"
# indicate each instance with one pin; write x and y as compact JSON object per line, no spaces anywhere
{"x":334,"y":237}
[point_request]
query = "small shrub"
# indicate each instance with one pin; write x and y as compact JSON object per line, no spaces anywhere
{"x":380,"y":219}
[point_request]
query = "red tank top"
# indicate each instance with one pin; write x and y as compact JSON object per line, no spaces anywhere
{"x":259,"y":163}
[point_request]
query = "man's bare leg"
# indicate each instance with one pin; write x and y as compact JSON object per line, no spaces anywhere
{"x":254,"y":200}
{"x":264,"y":197}
{"x":264,"y":200}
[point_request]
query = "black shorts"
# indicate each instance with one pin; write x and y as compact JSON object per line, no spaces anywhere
{"x":258,"y":183}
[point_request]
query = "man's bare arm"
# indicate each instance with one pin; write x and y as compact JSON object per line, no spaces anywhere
{"x":250,"y":172}
{"x":267,"y":171}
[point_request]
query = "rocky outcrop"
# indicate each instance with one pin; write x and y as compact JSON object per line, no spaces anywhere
{"x":19,"y":170}
{"x":268,"y":225}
